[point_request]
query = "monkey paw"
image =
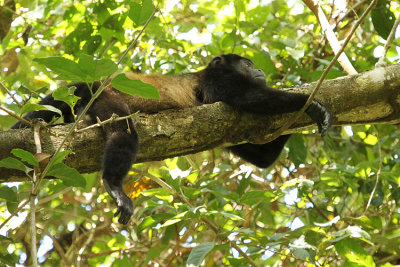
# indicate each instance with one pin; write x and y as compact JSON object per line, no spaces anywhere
{"x":125,"y":209}
{"x":320,"y":114}
{"x":124,"y":203}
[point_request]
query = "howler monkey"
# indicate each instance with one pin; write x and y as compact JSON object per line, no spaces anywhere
{"x":228,"y":78}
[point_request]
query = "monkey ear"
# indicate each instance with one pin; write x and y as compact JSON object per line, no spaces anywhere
{"x":216,"y":61}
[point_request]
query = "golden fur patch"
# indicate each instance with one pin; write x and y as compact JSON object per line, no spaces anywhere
{"x":176,"y":91}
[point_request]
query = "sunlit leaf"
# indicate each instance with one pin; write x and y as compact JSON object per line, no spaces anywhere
{"x":25,"y":156}
{"x":198,"y":253}
{"x":134,"y":87}
{"x":69,"y":176}
{"x":354,"y":253}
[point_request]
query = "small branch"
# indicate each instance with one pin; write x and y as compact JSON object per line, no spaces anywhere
{"x":36,"y":136}
{"x":21,"y":206}
{"x":378,"y":173}
{"x":352,"y":9}
{"x":330,"y":35}
{"x":12,"y":114}
{"x":82,"y":249}
{"x":94,"y":97}
{"x":388,"y":42}
{"x":205,"y":220}
{"x":10,"y":94}
{"x":53,"y":196}
{"x":295,"y":117}
{"x":57,"y":245}
{"x":100,"y":123}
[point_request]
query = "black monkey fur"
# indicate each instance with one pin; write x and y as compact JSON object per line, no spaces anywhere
{"x":228,"y":78}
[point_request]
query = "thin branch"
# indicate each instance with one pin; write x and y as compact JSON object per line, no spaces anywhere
{"x":351,"y":10}
{"x":108,"y":252}
{"x":296,"y":116}
{"x":57,"y":245}
{"x":21,"y":206}
{"x":36,"y":136}
{"x":97,"y":94}
{"x":10,"y":94}
{"x":53,"y":196}
{"x":12,"y":114}
{"x":388,"y":42}
{"x":114,"y":118}
{"x":330,"y":35}
{"x":378,"y":173}
{"x":205,"y":220}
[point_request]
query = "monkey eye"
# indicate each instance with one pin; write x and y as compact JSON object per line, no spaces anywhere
{"x":249,"y":64}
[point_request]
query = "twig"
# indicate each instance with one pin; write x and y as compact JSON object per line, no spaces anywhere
{"x":82,"y":249}
{"x":330,"y":35}
{"x":53,"y":196}
{"x":113,"y":118}
{"x":10,"y":94}
{"x":389,"y":41}
{"x":205,"y":220}
{"x":323,"y":76}
{"x":108,"y":252}
{"x":36,"y":137}
{"x":350,"y":11}
{"x":98,"y":92}
{"x":378,"y":173}
{"x":21,"y":206}
{"x":12,"y":114}
{"x":57,"y":245}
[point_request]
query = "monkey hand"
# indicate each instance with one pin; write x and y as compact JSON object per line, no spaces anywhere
{"x":321,"y":115}
{"x":124,"y":203}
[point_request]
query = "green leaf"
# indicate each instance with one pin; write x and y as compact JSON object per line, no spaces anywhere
{"x":95,"y":69}
{"x":25,"y":156}
{"x":61,"y":156}
{"x":65,"y":68}
{"x":5,"y":238}
{"x":139,"y":14}
{"x":8,"y":194}
{"x":177,"y":218}
{"x":9,"y":259}
{"x":297,"y":149}
{"x":354,"y":253}
{"x":146,"y":223}
{"x":263,"y":61}
{"x":156,"y":191}
{"x":12,"y":206}
{"x":383,"y":20}
{"x":92,"y":44}
{"x":28,"y":107}
{"x":69,"y":176}
{"x":66,"y":94}
{"x":227,"y":215}
{"x":198,"y":254}
{"x":253,"y":197}
{"x":12,"y":163}
{"x":301,"y":253}
{"x":134,"y":87}
{"x":155,"y":252}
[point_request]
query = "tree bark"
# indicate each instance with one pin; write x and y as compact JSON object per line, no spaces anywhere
{"x":368,"y":98}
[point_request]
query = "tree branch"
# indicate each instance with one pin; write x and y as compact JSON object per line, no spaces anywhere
{"x":371,"y":97}
{"x":330,"y":35}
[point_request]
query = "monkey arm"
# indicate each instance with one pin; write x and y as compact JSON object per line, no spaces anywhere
{"x":261,"y":155}
{"x":271,"y":102}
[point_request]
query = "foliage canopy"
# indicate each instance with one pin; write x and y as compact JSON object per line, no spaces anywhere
{"x":331,"y":201}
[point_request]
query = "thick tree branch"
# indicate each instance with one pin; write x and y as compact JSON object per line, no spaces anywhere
{"x":371,"y":97}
